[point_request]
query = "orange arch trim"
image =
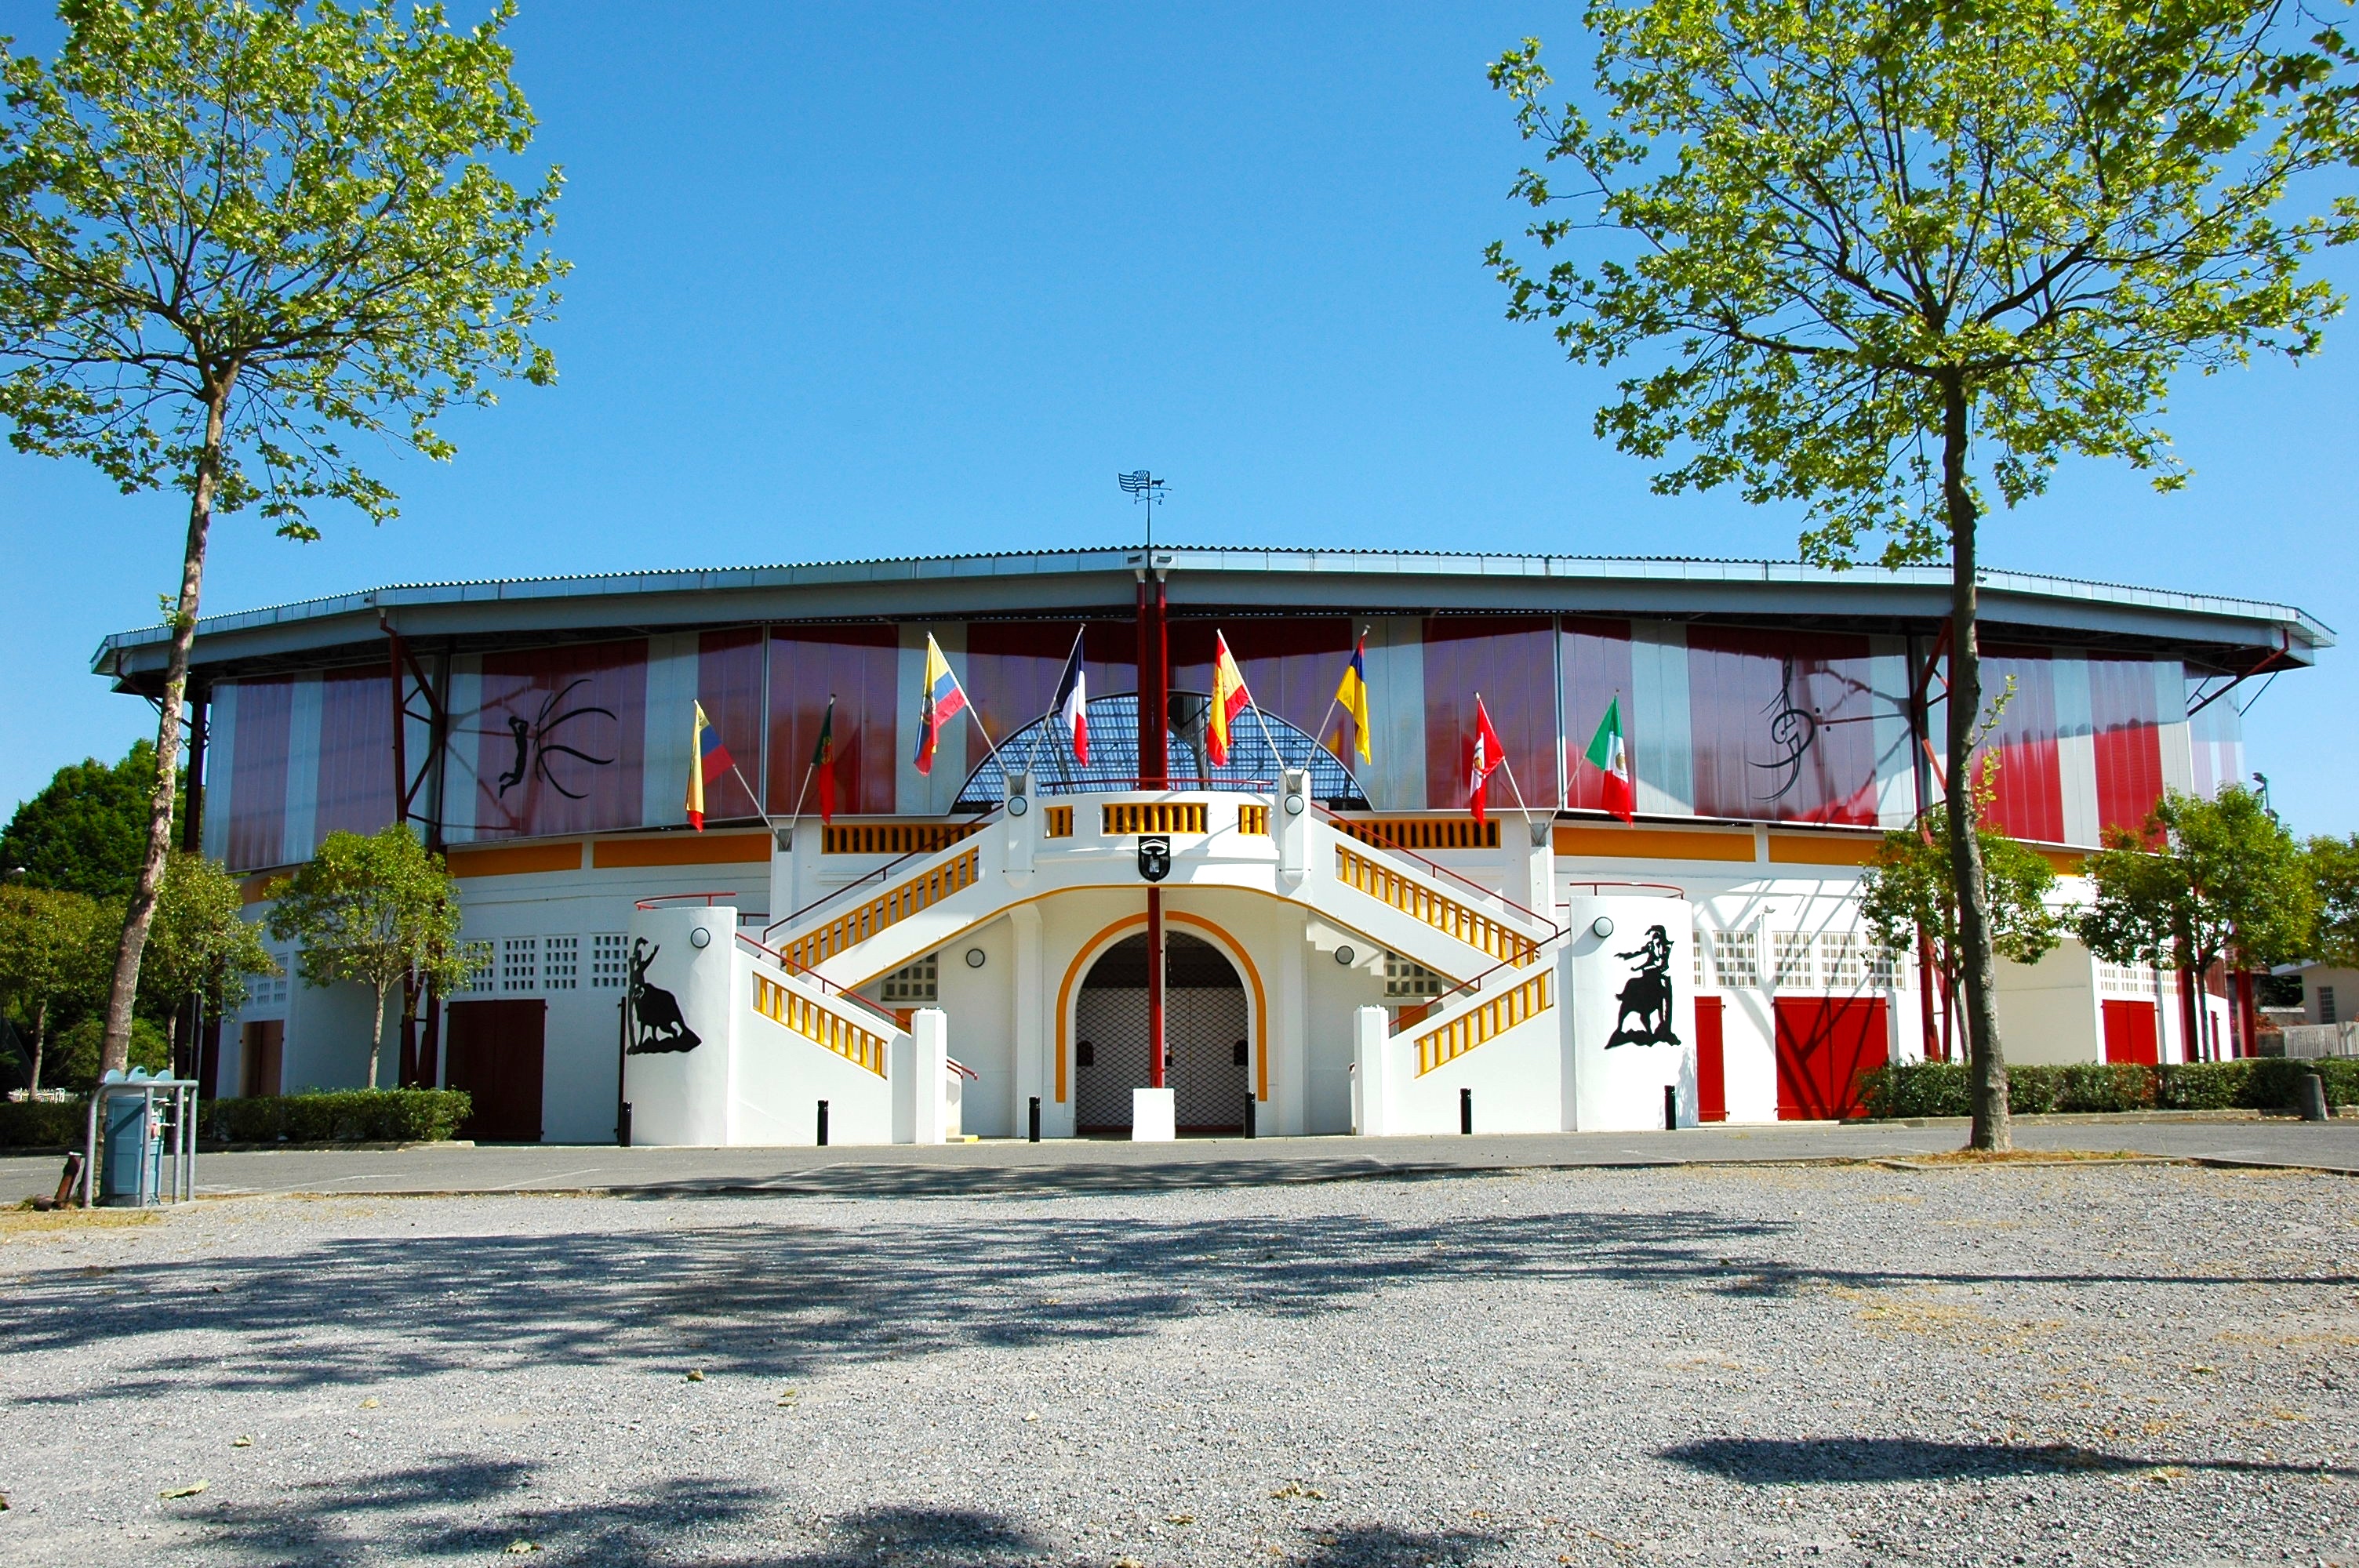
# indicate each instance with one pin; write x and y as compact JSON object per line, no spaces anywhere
{"x":1232,"y":949}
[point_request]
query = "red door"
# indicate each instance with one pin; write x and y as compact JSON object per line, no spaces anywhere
{"x":1711,"y":1071}
{"x":1825,"y":1047}
{"x":2130,"y":1033}
{"x":495,"y":1055}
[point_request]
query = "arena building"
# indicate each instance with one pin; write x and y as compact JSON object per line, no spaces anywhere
{"x":1324,"y":936}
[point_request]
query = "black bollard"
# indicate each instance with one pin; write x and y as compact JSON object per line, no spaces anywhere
{"x":1466,"y":1111}
{"x":822,"y":1124}
{"x":1036,"y":1119}
{"x":1249,"y":1114}
{"x":2313,"y":1099}
{"x":1671,"y":1107}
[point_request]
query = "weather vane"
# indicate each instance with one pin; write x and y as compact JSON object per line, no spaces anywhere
{"x":1142,"y":486}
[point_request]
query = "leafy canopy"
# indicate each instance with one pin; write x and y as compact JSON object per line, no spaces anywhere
{"x":292,"y":210}
{"x":87,"y":830}
{"x":1908,"y":892}
{"x":1845,"y":220}
{"x":2334,"y":874}
{"x":2207,"y":880}
{"x":54,"y":948}
{"x":201,"y":944}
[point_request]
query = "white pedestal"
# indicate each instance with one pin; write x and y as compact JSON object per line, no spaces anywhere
{"x":1154,"y":1116}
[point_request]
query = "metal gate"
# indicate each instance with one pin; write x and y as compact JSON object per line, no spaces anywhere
{"x":1205,"y":1026}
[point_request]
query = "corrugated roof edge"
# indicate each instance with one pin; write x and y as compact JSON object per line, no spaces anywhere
{"x":1203,"y":557}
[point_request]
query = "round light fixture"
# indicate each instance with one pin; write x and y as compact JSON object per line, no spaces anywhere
{"x":1602,"y":926}
{"x":975,"y":957}
{"x":1343,"y":955}
{"x":1294,"y":805}
{"x":1017,"y":805}
{"x":699,"y":937}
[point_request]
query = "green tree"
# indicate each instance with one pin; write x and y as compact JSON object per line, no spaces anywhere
{"x":2207,"y":881}
{"x":1909,"y":893}
{"x":200,"y":947}
{"x":234,"y":233}
{"x":2334,"y":875}
{"x":87,"y":830}
{"x":379,"y":909}
{"x":1891,"y":257}
{"x":53,"y":951}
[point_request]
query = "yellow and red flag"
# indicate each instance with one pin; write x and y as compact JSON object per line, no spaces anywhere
{"x":707,"y":760}
{"x":1230,"y":698}
{"x":941,"y":700}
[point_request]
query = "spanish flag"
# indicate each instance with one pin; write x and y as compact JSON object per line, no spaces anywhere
{"x":1353,"y":698}
{"x":1230,"y":698}
{"x":710,"y":760}
{"x":942,"y":700}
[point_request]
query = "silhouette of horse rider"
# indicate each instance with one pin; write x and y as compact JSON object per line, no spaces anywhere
{"x":1648,"y":997}
{"x":657,"y":1024}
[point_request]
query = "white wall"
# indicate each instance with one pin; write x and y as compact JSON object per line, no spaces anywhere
{"x":2047,"y":1011}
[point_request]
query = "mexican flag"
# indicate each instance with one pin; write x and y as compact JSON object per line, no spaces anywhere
{"x":1607,"y":754}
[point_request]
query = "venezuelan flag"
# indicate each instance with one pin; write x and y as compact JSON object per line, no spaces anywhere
{"x":711,"y":761}
{"x":942,"y":700}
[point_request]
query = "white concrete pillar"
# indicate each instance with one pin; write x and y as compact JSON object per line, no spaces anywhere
{"x":1021,"y":828}
{"x":676,"y":1071}
{"x":1530,"y":857}
{"x":1288,"y":1036}
{"x":1030,"y":1036}
{"x":928,"y":1030}
{"x":1370,"y":1091}
{"x":1290,"y":820}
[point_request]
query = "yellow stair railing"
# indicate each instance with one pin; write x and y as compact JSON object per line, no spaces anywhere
{"x":1444,"y":913}
{"x":884,"y":912}
{"x":828,"y":1028}
{"x":1448,"y":1042}
{"x":1125,"y":818}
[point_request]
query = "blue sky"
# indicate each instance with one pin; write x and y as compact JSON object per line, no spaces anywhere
{"x":887,"y":280}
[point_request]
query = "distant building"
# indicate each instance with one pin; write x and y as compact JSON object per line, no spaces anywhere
{"x":997,"y":911}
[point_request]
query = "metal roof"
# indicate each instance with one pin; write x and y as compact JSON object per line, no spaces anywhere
{"x":1053,"y":583}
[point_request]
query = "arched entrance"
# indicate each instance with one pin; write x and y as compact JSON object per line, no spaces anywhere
{"x":1205,"y":1028}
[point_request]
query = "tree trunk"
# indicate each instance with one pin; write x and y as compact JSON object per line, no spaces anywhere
{"x":376,"y":1035}
{"x":41,"y":1042}
{"x":1977,"y":967}
{"x":114,"y":1056}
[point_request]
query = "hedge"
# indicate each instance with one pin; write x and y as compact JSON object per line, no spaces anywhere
{"x":2266,"y":1083}
{"x":340,"y":1116}
{"x":43,"y":1123}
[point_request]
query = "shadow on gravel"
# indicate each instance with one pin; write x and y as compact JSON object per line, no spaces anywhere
{"x":772,"y":1298}
{"x":1762,"y":1461}
{"x":1046,"y":1179}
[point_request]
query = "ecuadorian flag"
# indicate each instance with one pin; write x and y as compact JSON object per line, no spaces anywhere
{"x":942,"y":700}
{"x":711,"y":759}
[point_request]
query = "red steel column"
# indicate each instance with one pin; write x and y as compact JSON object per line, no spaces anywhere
{"x":1154,"y":988}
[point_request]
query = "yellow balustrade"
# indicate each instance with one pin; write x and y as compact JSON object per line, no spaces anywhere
{"x":1125,"y":818}
{"x":1254,"y":820}
{"x":1056,"y":822}
{"x":893,"y":838}
{"x":1422,"y":832}
{"x":1444,"y":913}
{"x":1448,"y":1042}
{"x":884,"y":912}
{"x":823,"y":1025}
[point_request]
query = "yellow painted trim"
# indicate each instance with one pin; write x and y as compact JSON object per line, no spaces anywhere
{"x":516,"y":860}
{"x":681,"y":849}
{"x":1823,"y":849}
{"x":1652,"y":843}
{"x":2068,"y":862}
{"x":1234,"y":950}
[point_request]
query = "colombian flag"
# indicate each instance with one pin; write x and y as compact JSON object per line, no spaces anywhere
{"x":942,"y":700}
{"x":1353,"y":698}
{"x":711,"y":761}
{"x":1229,"y":699}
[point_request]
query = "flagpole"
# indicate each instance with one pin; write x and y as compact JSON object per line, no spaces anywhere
{"x":809,"y":769}
{"x":1510,"y":767}
{"x":1337,"y":700}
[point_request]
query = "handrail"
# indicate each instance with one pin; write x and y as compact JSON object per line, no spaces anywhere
{"x":1435,"y":868}
{"x":829,"y":1029}
{"x":883,"y":873}
{"x":1443,"y":1041}
{"x":708,"y":898}
{"x":1472,"y":986}
{"x":813,"y":977}
{"x":1364,"y":868}
{"x":1596,"y":888}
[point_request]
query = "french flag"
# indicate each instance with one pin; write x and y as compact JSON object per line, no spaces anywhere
{"x":1073,"y":701}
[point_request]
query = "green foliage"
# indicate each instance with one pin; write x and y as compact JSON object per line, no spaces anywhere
{"x":86,"y":832}
{"x":2334,"y":876}
{"x":73,"y":1055}
{"x":2266,"y":1083}
{"x":1907,"y":892}
{"x":201,"y":944}
{"x":44,"y":1124}
{"x":1844,"y":223}
{"x":2208,"y":879}
{"x":54,"y":951}
{"x":344,"y":1116}
{"x":289,"y":217}
{"x":377,"y":910}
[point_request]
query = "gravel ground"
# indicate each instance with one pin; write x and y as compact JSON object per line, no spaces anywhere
{"x":1845,"y":1364}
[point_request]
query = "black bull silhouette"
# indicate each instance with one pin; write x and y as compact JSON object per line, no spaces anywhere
{"x":657,"y":1024}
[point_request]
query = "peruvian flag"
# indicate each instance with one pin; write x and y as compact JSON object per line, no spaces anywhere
{"x":1488,"y":754}
{"x":1072,"y":702}
{"x":1607,"y":754}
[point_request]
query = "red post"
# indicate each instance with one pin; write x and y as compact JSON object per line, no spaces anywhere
{"x":2191,"y":1018}
{"x":1154,"y":988}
